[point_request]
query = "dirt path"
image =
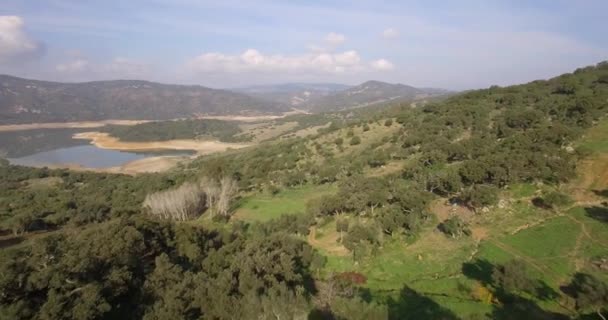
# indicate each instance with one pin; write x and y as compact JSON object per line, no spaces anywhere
{"x":329,"y":243}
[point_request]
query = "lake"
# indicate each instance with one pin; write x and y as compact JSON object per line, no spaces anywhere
{"x":90,"y":156}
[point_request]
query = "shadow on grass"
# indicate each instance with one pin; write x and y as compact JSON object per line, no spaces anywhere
{"x":512,"y":305}
{"x":598,"y":213}
{"x":480,"y":270}
{"x":601,"y":193}
{"x":413,"y":305}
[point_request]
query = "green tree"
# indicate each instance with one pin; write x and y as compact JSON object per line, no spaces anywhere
{"x":339,"y":141}
{"x":513,"y":277}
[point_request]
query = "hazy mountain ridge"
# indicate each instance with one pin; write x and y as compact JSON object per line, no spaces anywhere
{"x":319,"y":97}
{"x":293,"y":94}
{"x":369,"y":93}
{"x":24,"y":100}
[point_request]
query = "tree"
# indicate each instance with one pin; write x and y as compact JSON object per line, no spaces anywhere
{"x":179,"y":204}
{"x":341,"y":226}
{"x":480,"y":195}
{"x":513,"y":277}
{"x":228,"y":190}
{"x":339,"y":141}
{"x":455,"y":227}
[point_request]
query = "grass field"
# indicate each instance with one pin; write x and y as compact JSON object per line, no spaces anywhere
{"x":264,"y":207}
{"x":596,"y":138}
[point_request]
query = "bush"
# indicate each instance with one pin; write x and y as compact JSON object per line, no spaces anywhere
{"x":556,"y":199}
{"x":355,"y":141}
{"x":388,"y":122}
{"x":603,"y":79}
{"x":359,"y":234}
{"x":365,"y":128}
{"x":455,"y":227}
{"x":339,"y":141}
{"x":481,"y":195}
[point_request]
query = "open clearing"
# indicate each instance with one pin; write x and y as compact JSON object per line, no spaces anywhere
{"x":264,"y":207}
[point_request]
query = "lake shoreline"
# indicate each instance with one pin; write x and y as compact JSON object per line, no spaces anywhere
{"x":104,"y":140}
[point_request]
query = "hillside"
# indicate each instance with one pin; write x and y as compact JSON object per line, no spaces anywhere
{"x":28,"y":101}
{"x":369,"y":93}
{"x":293,"y":94}
{"x":490,"y":204}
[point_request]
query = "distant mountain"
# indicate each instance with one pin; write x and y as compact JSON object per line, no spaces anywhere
{"x":369,"y":93}
{"x":293,"y":94}
{"x":23,"y":101}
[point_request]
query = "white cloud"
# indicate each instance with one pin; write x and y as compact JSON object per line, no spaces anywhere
{"x":390,"y":33}
{"x":254,"y":61}
{"x":14,"y":42}
{"x":335,"y":39}
{"x":382,"y":65}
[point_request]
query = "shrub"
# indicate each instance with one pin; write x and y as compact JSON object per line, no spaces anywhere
{"x":556,"y":199}
{"x":355,"y":141}
{"x":455,"y":227}
{"x":388,"y":122}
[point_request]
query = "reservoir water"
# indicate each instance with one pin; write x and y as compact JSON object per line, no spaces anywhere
{"x":90,"y":156}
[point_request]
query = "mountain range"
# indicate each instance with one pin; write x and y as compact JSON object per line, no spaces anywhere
{"x":296,"y":95}
{"x":24,"y":100}
{"x":31,"y":101}
{"x":369,"y":93}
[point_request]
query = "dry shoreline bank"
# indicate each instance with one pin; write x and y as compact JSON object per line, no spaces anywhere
{"x":105,"y":141}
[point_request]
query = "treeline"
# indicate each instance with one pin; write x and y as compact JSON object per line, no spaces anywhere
{"x":34,"y":199}
{"x":226,"y":131}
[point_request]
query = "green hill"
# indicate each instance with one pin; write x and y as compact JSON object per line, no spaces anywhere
{"x":490,"y":204}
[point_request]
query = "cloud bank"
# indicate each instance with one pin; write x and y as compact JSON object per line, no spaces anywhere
{"x":15,"y":44}
{"x":316,"y":62}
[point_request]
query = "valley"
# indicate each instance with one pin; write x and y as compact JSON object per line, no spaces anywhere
{"x":489,"y":204}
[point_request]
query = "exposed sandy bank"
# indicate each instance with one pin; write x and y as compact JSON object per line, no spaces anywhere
{"x":105,"y":141}
{"x":68,"y":125}
{"x":146,"y":165}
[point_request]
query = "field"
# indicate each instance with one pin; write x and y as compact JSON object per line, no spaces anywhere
{"x":264,"y":207}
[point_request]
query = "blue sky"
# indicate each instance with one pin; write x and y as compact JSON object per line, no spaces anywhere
{"x":229,"y":43}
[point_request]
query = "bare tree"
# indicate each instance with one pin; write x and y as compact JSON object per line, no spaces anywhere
{"x":211,"y":188}
{"x":228,"y":190}
{"x":179,"y":204}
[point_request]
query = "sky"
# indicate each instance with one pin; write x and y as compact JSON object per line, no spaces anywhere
{"x":230,"y":43}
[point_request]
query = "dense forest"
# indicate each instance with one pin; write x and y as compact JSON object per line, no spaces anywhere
{"x":161,"y":246}
{"x":179,"y":129}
